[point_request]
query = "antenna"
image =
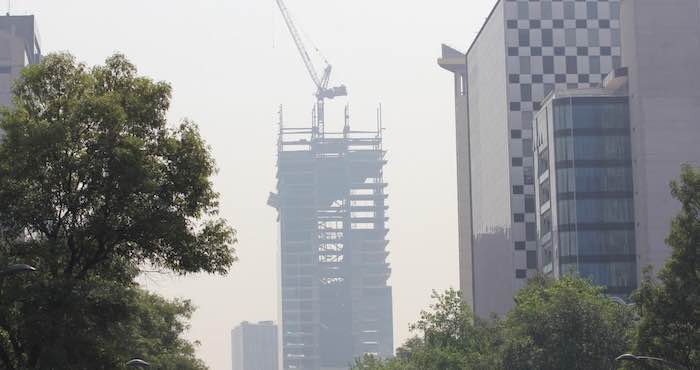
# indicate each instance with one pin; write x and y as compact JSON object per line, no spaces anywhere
{"x":9,"y":6}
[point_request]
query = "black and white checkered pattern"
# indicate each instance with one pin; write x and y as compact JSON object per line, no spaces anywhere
{"x":550,"y":44}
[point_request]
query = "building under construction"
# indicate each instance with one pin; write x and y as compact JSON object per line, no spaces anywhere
{"x":331,"y":199}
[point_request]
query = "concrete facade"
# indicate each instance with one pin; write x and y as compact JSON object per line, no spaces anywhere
{"x":525,"y":50}
{"x":662,"y":53}
{"x":254,"y":346}
{"x":19,"y":47}
{"x":456,"y":62}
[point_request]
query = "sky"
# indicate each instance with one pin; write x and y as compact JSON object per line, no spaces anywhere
{"x":232,"y":63}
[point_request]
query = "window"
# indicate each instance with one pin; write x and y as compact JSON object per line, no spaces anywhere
{"x":544,"y":192}
{"x":546,"y":223}
{"x":530,"y":204}
{"x":529,"y":175}
{"x":531,"y":231}
{"x":542,"y":162}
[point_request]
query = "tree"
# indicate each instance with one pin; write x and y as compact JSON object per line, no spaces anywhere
{"x":153,"y":331}
{"x":93,"y":185}
{"x":450,"y":339}
{"x":564,"y":324}
{"x":670,"y":306}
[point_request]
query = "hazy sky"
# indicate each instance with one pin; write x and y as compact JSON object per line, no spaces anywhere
{"x":232,"y":63}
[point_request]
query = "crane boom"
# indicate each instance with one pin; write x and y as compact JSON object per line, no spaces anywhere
{"x":322,"y":90}
{"x":300,"y":44}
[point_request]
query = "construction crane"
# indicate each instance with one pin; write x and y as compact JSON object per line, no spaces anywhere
{"x":323,"y":92}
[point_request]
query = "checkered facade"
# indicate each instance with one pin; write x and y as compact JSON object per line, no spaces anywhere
{"x":550,"y":44}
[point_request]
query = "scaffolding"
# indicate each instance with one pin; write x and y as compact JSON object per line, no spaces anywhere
{"x":332,"y":212}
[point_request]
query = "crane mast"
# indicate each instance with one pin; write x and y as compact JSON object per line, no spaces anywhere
{"x":322,"y":90}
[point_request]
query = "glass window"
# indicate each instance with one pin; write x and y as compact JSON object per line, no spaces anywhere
{"x":529,"y":174}
{"x":607,"y":242}
{"x":545,"y":223}
{"x":595,"y":211}
{"x":531,"y":231}
{"x":567,"y":243}
{"x":600,"y":147}
{"x":616,"y":275}
{"x":542,"y":162}
{"x":544,"y":192}
{"x":530,"y":206}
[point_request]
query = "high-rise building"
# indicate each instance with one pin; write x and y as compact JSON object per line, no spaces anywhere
{"x":19,"y":47}
{"x":584,"y":185}
{"x":254,"y":346}
{"x":331,"y":201}
{"x":661,"y":50}
{"x":524,"y":51}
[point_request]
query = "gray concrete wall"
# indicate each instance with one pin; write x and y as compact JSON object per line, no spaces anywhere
{"x":661,"y":48}
{"x":12,"y":60}
{"x":455,"y":62}
{"x":19,"y":47}
{"x":493,"y":271}
{"x":466,"y":263}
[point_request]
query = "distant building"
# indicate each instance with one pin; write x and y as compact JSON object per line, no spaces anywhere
{"x":332,"y":208}
{"x":19,"y":47}
{"x":254,"y":346}
{"x":524,"y":51}
{"x":584,"y":186}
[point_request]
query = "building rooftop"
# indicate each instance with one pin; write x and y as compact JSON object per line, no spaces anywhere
{"x":453,"y":60}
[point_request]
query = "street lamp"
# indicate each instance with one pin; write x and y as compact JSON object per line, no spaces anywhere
{"x":644,"y":359}
{"x":138,"y":363}
{"x":16,"y":269}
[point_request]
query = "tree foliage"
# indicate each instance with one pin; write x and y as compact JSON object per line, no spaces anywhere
{"x":670,"y":306}
{"x":565,"y":324}
{"x":94,"y":184}
{"x":451,"y":338}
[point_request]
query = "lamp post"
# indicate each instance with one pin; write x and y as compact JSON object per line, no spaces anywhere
{"x":645,"y":359}
{"x":138,"y":363}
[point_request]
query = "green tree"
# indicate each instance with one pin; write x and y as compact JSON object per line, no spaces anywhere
{"x":565,"y":324}
{"x":94,"y":184}
{"x":670,"y":306}
{"x":450,"y":338}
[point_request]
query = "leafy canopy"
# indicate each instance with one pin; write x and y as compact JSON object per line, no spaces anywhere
{"x":670,"y":306}
{"x":565,"y":324}
{"x":95,"y":184}
{"x":450,"y":338}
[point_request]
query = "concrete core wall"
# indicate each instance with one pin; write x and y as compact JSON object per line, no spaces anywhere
{"x":661,"y":48}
